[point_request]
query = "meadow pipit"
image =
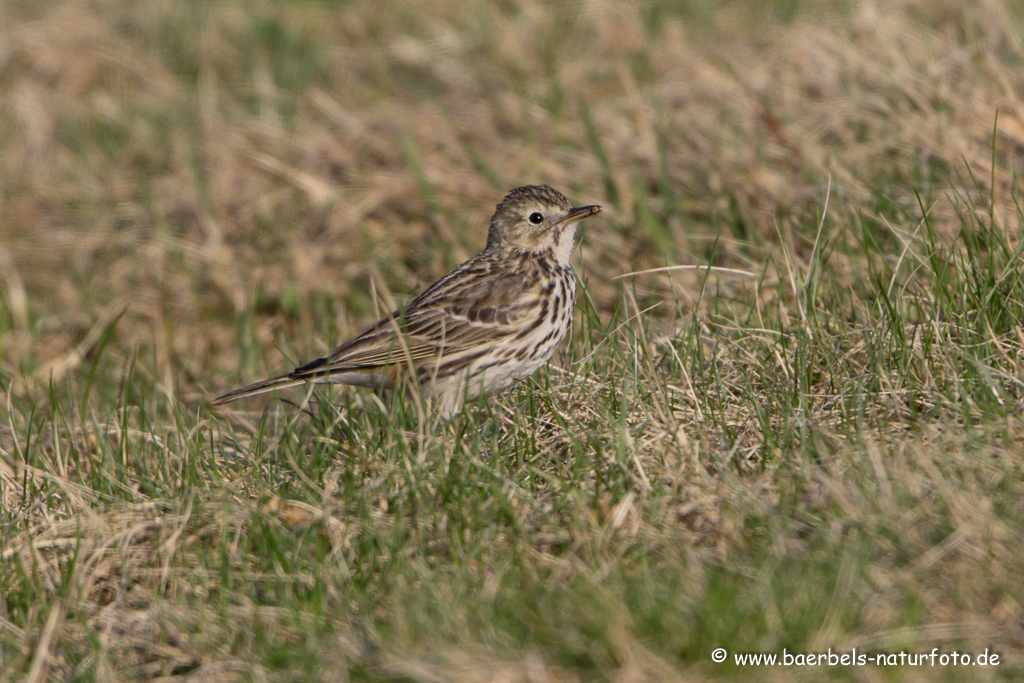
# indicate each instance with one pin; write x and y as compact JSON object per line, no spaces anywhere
{"x":481,"y":328}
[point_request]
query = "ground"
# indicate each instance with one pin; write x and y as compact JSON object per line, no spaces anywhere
{"x":809,"y":443}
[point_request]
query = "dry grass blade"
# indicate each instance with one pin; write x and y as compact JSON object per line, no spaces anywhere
{"x":666,"y":269}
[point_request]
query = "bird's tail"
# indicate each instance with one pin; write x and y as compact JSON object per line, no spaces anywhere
{"x":272,"y":384}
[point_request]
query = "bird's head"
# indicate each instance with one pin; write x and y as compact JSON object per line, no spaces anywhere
{"x":537,"y":218}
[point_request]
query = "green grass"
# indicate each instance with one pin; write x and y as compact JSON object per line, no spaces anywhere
{"x":821,"y":455}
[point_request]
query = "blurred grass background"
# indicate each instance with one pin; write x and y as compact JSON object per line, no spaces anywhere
{"x":826,"y":455}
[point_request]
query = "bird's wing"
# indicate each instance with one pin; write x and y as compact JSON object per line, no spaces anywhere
{"x":468,"y":307}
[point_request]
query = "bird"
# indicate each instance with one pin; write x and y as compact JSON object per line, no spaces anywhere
{"x":488,"y":324}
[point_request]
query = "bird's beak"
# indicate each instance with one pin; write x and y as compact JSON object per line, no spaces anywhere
{"x":579,"y":214}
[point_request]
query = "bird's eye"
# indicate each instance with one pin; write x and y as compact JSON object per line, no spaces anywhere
{"x":536,"y":218}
